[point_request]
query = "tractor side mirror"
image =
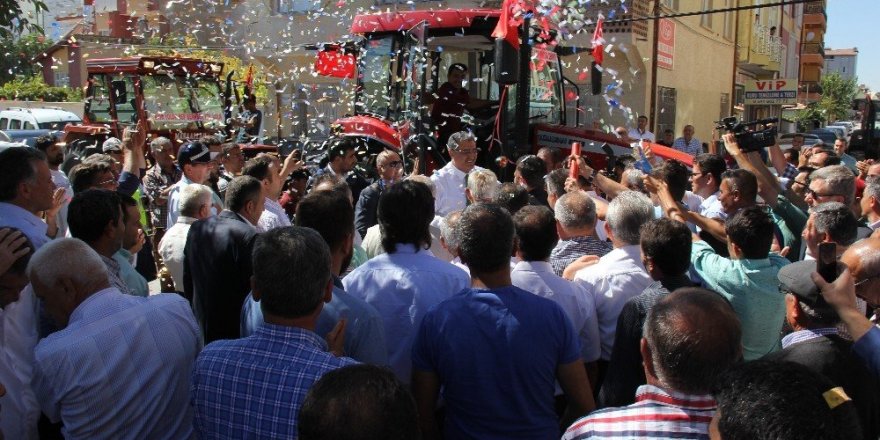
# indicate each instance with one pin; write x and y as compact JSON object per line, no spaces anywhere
{"x":506,"y":62}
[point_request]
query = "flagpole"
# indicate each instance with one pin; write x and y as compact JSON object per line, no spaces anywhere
{"x":523,"y":89}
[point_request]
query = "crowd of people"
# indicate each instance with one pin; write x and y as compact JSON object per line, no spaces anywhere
{"x":678,"y":301}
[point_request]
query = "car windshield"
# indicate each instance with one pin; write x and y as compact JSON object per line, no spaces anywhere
{"x":56,"y":125}
{"x":182,"y":103}
{"x":826,"y":136}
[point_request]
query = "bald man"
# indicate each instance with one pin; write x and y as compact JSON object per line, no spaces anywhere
{"x":863,"y":260}
{"x":390,"y":169}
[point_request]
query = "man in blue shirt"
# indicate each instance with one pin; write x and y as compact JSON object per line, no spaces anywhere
{"x":254,"y":387}
{"x":119,"y":366}
{"x":747,"y":278}
{"x":495,"y":349}
{"x":407,"y":280}
{"x":332,"y":215}
{"x":26,"y":189}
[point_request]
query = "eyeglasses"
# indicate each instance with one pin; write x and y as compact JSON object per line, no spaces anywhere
{"x":859,"y":283}
{"x":108,"y":182}
{"x":816,"y":195}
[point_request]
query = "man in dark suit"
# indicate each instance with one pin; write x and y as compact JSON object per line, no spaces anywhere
{"x":816,"y":344}
{"x":217,"y":273}
{"x":390,"y":169}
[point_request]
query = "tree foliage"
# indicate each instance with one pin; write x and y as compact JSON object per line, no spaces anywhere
{"x":34,"y":89}
{"x":837,"y":98}
{"x":14,"y":21}
{"x":18,"y":55}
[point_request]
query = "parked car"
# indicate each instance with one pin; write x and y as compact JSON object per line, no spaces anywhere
{"x":827,"y":136}
{"x":846,"y":124}
{"x":28,"y":137}
{"x":54,"y":119}
{"x":6,"y":141}
{"x":839,"y":130}
{"x":809,"y":140}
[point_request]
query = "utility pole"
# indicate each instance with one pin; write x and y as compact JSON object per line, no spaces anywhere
{"x":653,"y":101}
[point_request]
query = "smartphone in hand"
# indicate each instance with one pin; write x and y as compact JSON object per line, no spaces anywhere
{"x":826,"y":262}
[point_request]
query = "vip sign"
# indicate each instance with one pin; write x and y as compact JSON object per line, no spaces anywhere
{"x":779,"y":91}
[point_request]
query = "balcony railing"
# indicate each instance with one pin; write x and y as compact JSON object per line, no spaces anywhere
{"x":813,"y":48}
{"x":763,"y":43}
{"x":814,"y":8}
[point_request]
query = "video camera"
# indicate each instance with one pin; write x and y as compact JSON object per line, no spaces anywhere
{"x":749,"y":140}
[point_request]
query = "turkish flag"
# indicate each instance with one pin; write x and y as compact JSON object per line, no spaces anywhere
{"x":599,"y":41}
{"x":335,"y":63}
{"x":508,"y":25}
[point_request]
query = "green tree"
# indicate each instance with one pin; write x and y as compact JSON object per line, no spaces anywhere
{"x":13,"y":20}
{"x":837,"y":96}
{"x":835,"y":104}
{"x":34,"y":89}
{"x":18,"y":55}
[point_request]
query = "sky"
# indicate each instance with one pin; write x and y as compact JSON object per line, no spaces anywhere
{"x":852,"y":23}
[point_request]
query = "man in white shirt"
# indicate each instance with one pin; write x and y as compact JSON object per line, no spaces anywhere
{"x":536,"y":237}
{"x":269,"y":171}
{"x":706,"y":182}
{"x":194,"y":160}
{"x":451,"y":180}
{"x":406,"y":281}
{"x":26,"y":189}
{"x":98,"y":374}
{"x":870,"y":203}
{"x":641,"y":133}
{"x":195,"y":204}
{"x":19,"y":410}
{"x":620,"y":274}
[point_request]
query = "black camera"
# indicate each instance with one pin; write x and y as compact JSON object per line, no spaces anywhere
{"x":749,"y":139}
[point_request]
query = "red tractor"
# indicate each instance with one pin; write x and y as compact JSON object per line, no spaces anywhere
{"x":403,"y":58}
{"x":179,"y":98}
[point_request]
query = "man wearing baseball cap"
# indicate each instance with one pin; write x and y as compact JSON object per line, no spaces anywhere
{"x":816,"y":344}
{"x":113,"y":147}
{"x":194,"y":160}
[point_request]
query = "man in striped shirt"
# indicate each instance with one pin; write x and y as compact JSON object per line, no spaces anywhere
{"x":687,"y":142}
{"x":691,"y":337}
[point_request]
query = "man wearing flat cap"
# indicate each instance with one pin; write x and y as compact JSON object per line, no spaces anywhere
{"x":816,"y":343}
{"x":194,"y":160}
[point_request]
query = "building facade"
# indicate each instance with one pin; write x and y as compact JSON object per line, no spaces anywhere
{"x":842,"y":62}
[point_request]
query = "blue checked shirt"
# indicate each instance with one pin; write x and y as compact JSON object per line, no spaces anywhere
{"x":254,"y":387}
{"x":694,"y":147}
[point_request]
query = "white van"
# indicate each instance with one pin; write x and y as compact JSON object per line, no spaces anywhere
{"x":53,"y":119}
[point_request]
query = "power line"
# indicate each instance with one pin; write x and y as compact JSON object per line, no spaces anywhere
{"x":708,"y":11}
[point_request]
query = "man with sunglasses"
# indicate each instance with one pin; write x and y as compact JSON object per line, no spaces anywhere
{"x":706,"y":182}
{"x":390,"y":169}
{"x":862,"y":257}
